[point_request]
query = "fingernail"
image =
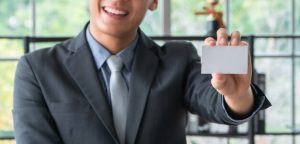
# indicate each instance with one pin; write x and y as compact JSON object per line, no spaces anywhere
{"x":234,"y":41}
{"x":222,"y":41}
{"x":211,"y":43}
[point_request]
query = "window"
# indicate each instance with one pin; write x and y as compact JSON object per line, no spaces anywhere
{"x":273,"y":46}
{"x":260,"y":17}
{"x":273,"y":140}
{"x":61,"y":17}
{"x":278,"y":70}
{"x":7,"y":74}
{"x":297,"y":79}
{"x":278,"y":58}
{"x":46,"y":18}
{"x":279,"y":94}
{"x":297,"y":47}
{"x":274,"y":56}
{"x":16,"y":20}
{"x":184,"y":21}
{"x":297,"y":15}
{"x":15,"y":17}
{"x":152,"y":23}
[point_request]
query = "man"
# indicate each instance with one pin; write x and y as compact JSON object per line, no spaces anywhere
{"x":73,"y":93}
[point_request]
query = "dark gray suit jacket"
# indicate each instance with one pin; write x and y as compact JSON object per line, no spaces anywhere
{"x":58,"y":97}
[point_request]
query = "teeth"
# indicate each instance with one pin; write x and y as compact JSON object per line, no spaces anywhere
{"x":114,"y":11}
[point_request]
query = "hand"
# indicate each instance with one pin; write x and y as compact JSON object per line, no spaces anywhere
{"x":235,"y":87}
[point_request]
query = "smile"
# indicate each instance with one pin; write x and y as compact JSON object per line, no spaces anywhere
{"x":115,"y":11}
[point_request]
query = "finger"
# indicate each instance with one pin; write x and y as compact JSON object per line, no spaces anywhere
{"x":235,"y":38}
{"x":224,"y":84}
{"x":243,"y":43}
{"x":249,"y":74}
{"x":218,"y":81}
{"x":210,"y":41}
{"x":222,"y":37}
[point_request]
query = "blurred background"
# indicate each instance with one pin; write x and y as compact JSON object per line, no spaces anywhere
{"x":273,"y":25}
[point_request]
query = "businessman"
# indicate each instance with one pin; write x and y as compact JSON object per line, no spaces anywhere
{"x":112,"y":84}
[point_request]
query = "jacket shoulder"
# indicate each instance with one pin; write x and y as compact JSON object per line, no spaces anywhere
{"x":178,"y":48}
{"x":58,"y":51}
{"x":45,"y":59}
{"x":178,"y":45}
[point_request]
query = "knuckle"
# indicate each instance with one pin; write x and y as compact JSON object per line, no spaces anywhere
{"x":209,"y":39}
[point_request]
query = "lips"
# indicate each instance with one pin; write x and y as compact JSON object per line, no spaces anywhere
{"x":115,"y":11}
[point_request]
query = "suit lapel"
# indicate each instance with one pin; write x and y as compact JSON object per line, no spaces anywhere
{"x":144,"y":69}
{"x":80,"y":64}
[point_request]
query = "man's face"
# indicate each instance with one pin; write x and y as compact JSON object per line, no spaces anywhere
{"x":118,"y":17}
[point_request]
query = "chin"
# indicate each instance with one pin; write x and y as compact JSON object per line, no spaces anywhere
{"x":116,"y":31}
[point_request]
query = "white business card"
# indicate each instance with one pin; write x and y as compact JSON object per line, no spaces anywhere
{"x":224,"y":59}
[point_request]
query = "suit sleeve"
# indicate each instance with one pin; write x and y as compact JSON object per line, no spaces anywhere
{"x":201,"y":98}
{"x":32,"y":120}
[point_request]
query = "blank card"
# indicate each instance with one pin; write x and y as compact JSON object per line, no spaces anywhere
{"x":224,"y":59}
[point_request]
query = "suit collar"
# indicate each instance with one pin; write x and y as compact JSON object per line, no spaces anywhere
{"x":144,"y":69}
{"x":100,"y":53}
{"x":81,"y":66}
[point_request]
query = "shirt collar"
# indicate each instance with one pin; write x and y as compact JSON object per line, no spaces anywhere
{"x":100,"y":54}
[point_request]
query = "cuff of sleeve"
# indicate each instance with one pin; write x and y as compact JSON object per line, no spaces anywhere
{"x":258,"y":104}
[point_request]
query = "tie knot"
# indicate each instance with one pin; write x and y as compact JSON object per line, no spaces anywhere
{"x":114,"y":63}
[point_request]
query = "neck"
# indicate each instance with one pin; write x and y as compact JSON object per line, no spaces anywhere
{"x":114,"y":44}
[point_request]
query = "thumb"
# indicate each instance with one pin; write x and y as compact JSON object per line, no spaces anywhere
{"x":218,"y":81}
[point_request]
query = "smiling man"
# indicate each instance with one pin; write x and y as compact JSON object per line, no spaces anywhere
{"x":112,"y":84}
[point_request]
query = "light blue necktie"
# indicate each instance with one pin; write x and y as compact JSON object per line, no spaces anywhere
{"x":119,"y":95}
